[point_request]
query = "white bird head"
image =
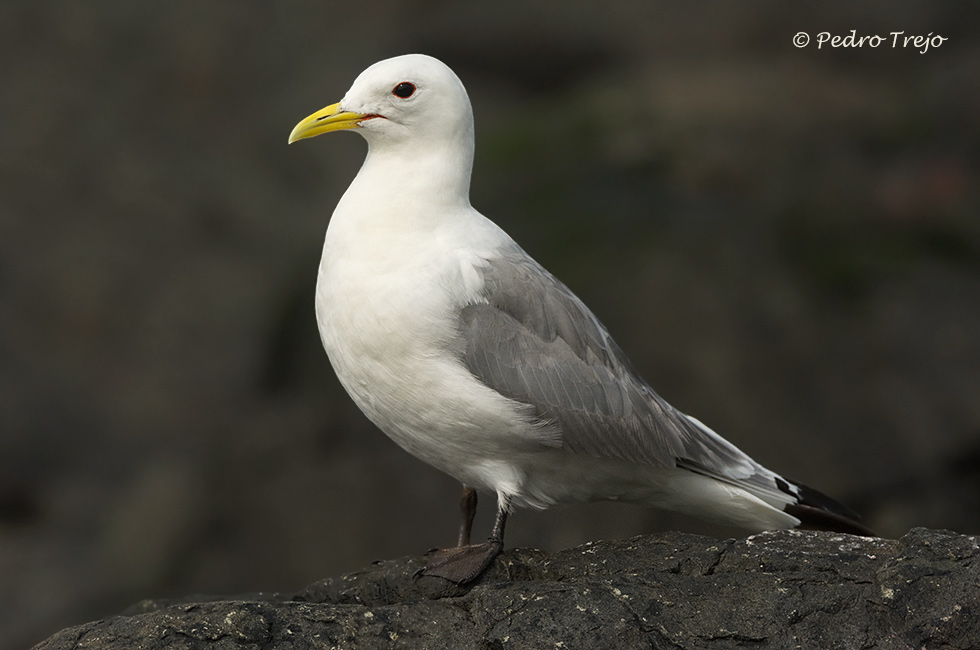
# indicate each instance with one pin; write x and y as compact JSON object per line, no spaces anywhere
{"x":404,"y":100}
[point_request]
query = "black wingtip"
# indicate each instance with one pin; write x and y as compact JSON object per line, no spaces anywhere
{"x":812,"y":518}
{"x":817,"y":511}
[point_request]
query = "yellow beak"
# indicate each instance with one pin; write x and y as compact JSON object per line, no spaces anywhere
{"x":325,"y":120}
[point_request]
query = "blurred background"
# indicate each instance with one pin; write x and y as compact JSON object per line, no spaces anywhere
{"x":785,"y":241}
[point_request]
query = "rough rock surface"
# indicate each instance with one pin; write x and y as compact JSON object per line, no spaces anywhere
{"x":783,"y":589}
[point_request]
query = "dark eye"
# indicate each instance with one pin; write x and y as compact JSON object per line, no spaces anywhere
{"x":404,"y":90}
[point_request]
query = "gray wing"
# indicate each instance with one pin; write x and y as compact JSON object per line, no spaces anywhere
{"x":535,"y":342}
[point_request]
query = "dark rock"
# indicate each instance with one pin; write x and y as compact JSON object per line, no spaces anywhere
{"x":782,"y":589}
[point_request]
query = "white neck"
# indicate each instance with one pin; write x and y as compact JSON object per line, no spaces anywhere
{"x":432,"y":175}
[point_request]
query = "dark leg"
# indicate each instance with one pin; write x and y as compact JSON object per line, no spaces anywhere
{"x":467,"y":507}
{"x":497,"y":534}
{"x":465,"y":563}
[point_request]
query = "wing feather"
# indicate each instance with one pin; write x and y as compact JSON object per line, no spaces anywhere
{"x":532,"y":340}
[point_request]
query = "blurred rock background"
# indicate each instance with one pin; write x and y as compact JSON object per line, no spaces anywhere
{"x":786,"y":241}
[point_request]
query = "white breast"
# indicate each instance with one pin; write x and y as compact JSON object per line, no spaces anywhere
{"x":387,"y":302}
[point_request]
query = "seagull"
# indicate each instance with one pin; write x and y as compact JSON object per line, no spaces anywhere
{"x":471,"y":356}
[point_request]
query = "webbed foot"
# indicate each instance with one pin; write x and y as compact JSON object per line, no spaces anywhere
{"x":462,"y":564}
